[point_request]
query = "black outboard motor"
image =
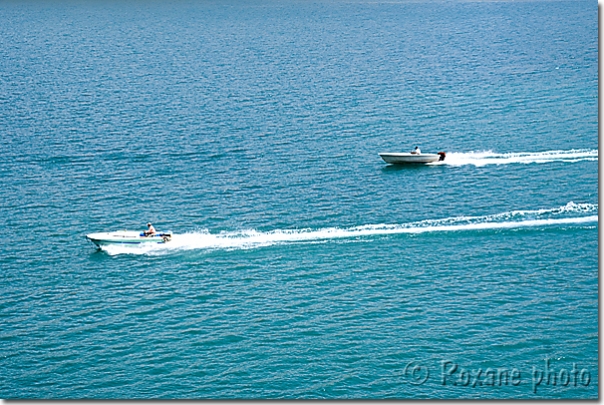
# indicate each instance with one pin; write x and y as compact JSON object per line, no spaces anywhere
{"x":442,"y":156}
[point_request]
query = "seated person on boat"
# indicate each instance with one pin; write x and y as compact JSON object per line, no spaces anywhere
{"x":150,"y":231}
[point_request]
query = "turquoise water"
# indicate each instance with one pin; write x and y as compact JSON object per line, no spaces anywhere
{"x":302,"y":265}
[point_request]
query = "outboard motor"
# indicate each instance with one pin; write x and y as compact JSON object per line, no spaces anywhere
{"x":442,"y":156}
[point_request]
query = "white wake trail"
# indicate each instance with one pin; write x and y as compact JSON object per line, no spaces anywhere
{"x":570,"y":214}
{"x":480,"y":159}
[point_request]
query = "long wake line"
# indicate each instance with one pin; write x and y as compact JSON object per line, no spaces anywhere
{"x":569,"y":215}
{"x":491,"y":158}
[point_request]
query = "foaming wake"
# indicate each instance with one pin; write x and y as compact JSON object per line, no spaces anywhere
{"x":491,"y":158}
{"x":569,"y":215}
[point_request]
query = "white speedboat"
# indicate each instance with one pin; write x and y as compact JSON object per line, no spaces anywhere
{"x":127,"y":237}
{"x":412,"y":158}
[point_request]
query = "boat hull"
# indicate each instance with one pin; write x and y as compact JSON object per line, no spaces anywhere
{"x":410,"y":158}
{"x":127,"y":238}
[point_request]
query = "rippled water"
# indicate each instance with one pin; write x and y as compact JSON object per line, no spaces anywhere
{"x":302,"y":265}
